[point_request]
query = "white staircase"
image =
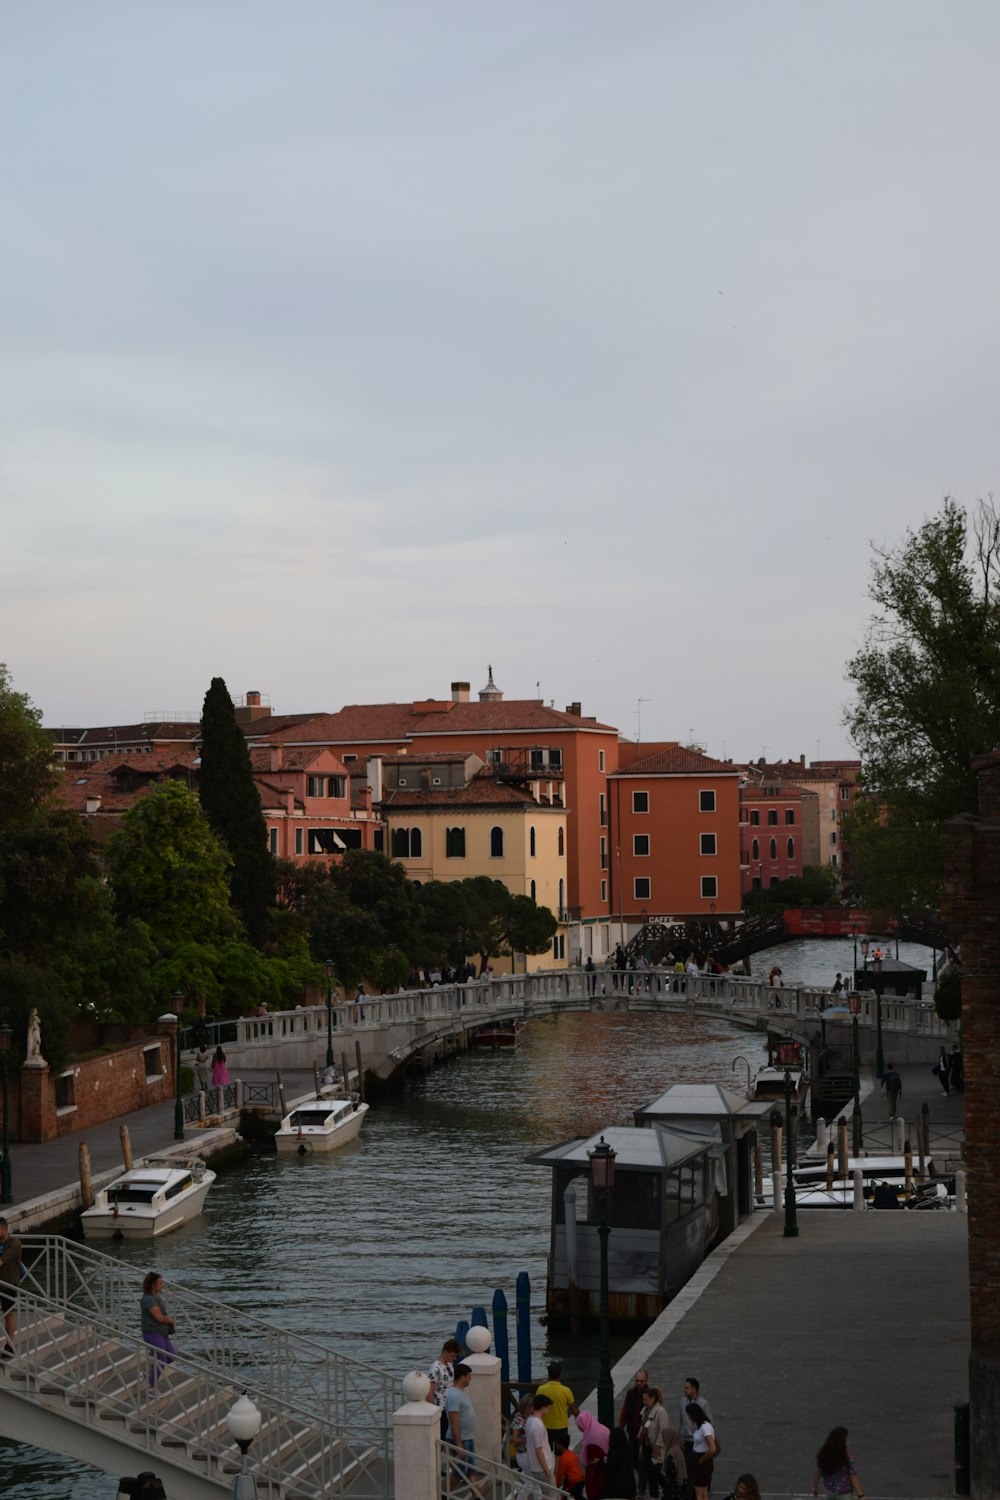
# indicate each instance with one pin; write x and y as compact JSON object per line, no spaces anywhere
{"x":81,"y":1374}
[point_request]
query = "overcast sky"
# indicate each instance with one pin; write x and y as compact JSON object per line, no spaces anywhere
{"x":349,"y":348}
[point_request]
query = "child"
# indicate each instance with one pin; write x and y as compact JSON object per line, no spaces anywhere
{"x":569,"y":1469}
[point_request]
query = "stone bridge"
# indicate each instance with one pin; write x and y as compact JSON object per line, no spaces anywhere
{"x":387,"y":1033}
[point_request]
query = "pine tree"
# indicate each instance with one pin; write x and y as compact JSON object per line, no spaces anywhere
{"x":231,"y":805}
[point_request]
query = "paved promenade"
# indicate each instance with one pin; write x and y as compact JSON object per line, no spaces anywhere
{"x":861,"y":1322}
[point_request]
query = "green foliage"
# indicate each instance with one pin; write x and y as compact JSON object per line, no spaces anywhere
{"x":169,"y":871}
{"x":816,"y":886}
{"x":27,"y":775}
{"x":928,"y":698}
{"x":948,"y":996}
{"x":26,"y":987}
{"x":354,"y":911}
{"x":231,"y":804}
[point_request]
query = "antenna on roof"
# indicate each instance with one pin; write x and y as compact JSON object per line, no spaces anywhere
{"x":538,"y":689}
{"x":638,"y":718}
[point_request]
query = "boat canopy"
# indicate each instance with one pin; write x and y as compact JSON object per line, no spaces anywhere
{"x":636,"y":1149}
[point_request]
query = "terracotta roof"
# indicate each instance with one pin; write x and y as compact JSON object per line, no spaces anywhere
{"x":482,"y":791}
{"x":678,"y":760}
{"x":292,"y":758}
{"x":794,"y":771}
{"x":188,"y":729}
{"x":103,"y":778}
{"x":366,"y":723}
{"x":427,"y":757}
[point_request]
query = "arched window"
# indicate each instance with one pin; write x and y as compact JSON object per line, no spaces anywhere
{"x":755,"y":849}
{"x":774,"y":848}
{"x":532,"y":890}
{"x":454,"y":843}
{"x":531,"y":842}
{"x":562,"y":841}
{"x":791,"y":848}
{"x":416,"y":843}
{"x":400,"y":843}
{"x":496,"y":843}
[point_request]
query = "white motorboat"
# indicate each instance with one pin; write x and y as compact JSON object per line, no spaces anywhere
{"x":320,"y":1125}
{"x":884,"y":1185}
{"x":769,"y":1083}
{"x":148,"y":1200}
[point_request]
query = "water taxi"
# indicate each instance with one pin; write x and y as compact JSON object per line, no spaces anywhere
{"x":148,"y":1200}
{"x":320,"y":1125}
{"x":502,"y":1034}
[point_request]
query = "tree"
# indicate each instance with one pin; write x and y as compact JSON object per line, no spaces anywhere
{"x":530,"y":928}
{"x":27,"y":775}
{"x":231,"y":804}
{"x":928,"y":698}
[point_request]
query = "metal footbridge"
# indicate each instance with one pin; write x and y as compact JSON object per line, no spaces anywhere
{"x":79,"y":1385}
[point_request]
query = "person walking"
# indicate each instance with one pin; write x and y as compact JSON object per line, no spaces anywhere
{"x":893,"y":1085}
{"x":10,"y":1276}
{"x":658,"y":1436}
{"x":562,"y":1403}
{"x":461,"y":1423}
{"x":538,"y":1462}
{"x":629,"y":1421}
{"x":441,"y":1375}
{"x":203,"y":1068}
{"x":518,"y":1428}
{"x":835,"y":1467}
{"x":943,"y":1068}
{"x":691,"y":1392}
{"x":220,"y":1072}
{"x":704,"y":1450}
{"x":157,"y":1325}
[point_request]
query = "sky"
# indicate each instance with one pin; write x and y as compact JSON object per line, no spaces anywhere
{"x":347,"y":350}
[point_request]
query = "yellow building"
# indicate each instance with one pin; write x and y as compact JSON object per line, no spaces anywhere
{"x":446,"y":816}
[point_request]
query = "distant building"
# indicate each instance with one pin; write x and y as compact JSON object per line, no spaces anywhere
{"x":771,"y":832}
{"x":835,"y":784}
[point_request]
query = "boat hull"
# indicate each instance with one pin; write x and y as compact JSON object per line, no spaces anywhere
{"x":136,"y":1222}
{"x":315,"y":1140}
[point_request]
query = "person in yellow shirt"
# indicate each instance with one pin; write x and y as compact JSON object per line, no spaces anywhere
{"x":556,"y":1417}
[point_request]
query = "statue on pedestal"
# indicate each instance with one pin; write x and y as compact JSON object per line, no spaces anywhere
{"x":34,"y":1058}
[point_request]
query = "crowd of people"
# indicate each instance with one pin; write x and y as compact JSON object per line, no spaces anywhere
{"x":646,"y":1455}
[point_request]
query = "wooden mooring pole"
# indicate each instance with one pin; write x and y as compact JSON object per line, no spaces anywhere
{"x":125,"y":1139}
{"x":86,"y":1182}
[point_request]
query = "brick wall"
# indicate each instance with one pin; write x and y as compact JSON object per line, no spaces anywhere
{"x":972,"y":913}
{"x":98,"y":1089}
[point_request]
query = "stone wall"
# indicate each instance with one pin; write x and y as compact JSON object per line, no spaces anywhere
{"x":972,"y":913}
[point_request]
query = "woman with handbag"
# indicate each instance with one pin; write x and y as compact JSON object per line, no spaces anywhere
{"x":705,"y":1449}
{"x":658,"y":1440}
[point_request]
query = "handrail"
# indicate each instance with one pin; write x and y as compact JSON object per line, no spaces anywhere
{"x":479,"y":1476}
{"x":236,"y":1344}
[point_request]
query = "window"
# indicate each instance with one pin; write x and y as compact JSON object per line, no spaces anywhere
{"x":496,"y":843}
{"x":406,"y":843}
{"x":640,"y":802}
{"x":708,"y":843}
{"x":531,"y":890}
{"x":833,"y":840}
{"x":706,"y":801}
{"x":603,"y":808}
{"x":416,"y":843}
{"x":348,"y":759}
{"x":772,"y":816}
{"x":314,"y":786}
{"x":754,"y":817}
{"x":604,"y":890}
{"x":755,"y":849}
{"x":756,"y":882}
{"x":833,"y":861}
{"x":454,"y":843}
{"x":772,"y":849}
{"x":640,"y":845}
{"x":604,"y":852}
{"x":380,"y":845}
{"x":152,"y":1062}
{"x":845,"y":794}
{"x":600,"y":760}
{"x":298,"y":840}
{"x":531,"y":841}
{"x":562,"y":900}
{"x":66,"y":1091}
{"x":272,"y":840}
{"x":641,"y":887}
{"x":789,"y":814}
{"x":791,"y":848}
{"x":561,"y":841}
{"x":709,"y":887}
{"x":338,"y":786}
{"x":775,"y":880}
{"x":833,"y":815}
{"x":559,"y":945}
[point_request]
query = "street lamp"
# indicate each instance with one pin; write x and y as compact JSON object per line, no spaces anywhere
{"x":243,"y":1421}
{"x":879,"y":1054}
{"x":178,"y":1000}
{"x":854,"y":1005}
{"x":329,"y":1012}
{"x":602,"y":1180}
{"x":6,"y":1193}
{"x":788,"y":1056}
{"x":864,"y":945}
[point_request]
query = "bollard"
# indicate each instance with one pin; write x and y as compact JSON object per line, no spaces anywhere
{"x":842,"y":1149}
{"x":908,"y":1166}
{"x":758,"y":1170}
{"x":776,"y":1193}
{"x":963,"y":1484}
{"x":898,"y":1135}
{"x":416,"y":1429}
{"x":829,"y":1166}
{"x":859,"y":1189}
{"x":126,"y":1141}
{"x":86,"y":1183}
{"x":822,"y":1136}
{"x":961,"y":1207}
{"x":925,"y":1127}
{"x":282,"y":1107}
{"x":202,"y":1111}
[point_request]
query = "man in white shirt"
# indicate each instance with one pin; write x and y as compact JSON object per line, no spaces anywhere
{"x":538,"y":1462}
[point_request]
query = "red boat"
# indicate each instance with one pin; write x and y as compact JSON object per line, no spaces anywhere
{"x":501,"y":1034}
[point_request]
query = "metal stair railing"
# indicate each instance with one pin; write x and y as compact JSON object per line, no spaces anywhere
{"x":237,"y":1345}
{"x":478,"y":1478}
{"x":64,"y":1354}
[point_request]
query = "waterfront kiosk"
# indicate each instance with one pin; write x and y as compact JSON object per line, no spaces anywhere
{"x":663,"y":1214}
{"x":701,"y":1106}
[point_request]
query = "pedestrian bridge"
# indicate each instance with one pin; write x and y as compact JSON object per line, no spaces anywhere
{"x":385,"y":1033}
{"x":79,"y":1386}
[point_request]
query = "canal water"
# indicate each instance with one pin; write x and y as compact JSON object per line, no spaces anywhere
{"x":381,"y":1248}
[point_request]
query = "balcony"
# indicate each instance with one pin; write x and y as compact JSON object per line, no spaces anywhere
{"x":523,"y":764}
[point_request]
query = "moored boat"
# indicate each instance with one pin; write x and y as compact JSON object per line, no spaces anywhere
{"x":149,"y":1200}
{"x":320,"y":1125}
{"x":502,"y":1034}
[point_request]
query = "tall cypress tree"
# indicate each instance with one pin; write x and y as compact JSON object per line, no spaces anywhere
{"x":231,"y":805}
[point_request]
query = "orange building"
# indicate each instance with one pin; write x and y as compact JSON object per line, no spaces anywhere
{"x":675,"y":830}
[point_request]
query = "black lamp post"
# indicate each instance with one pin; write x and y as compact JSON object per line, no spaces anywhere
{"x":6,"y":1192}
{"x":178,"y":1000}
{"x":864,"y":945}
{"x":329,"y":1012}
{"x":854,"y":1004}
{"x":602,"y":1179}
{"x":879,"y":1054}
{"x":788,"y":1055}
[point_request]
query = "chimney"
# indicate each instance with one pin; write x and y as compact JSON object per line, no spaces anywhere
{"x":802,"y":761}
{"x":93,"y":804}
{"x":574,"y":708}
{"x":461,"y":692}
{"x":253,"y":700}
{"x":275,"y":757}
{"x":375,"y":777}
